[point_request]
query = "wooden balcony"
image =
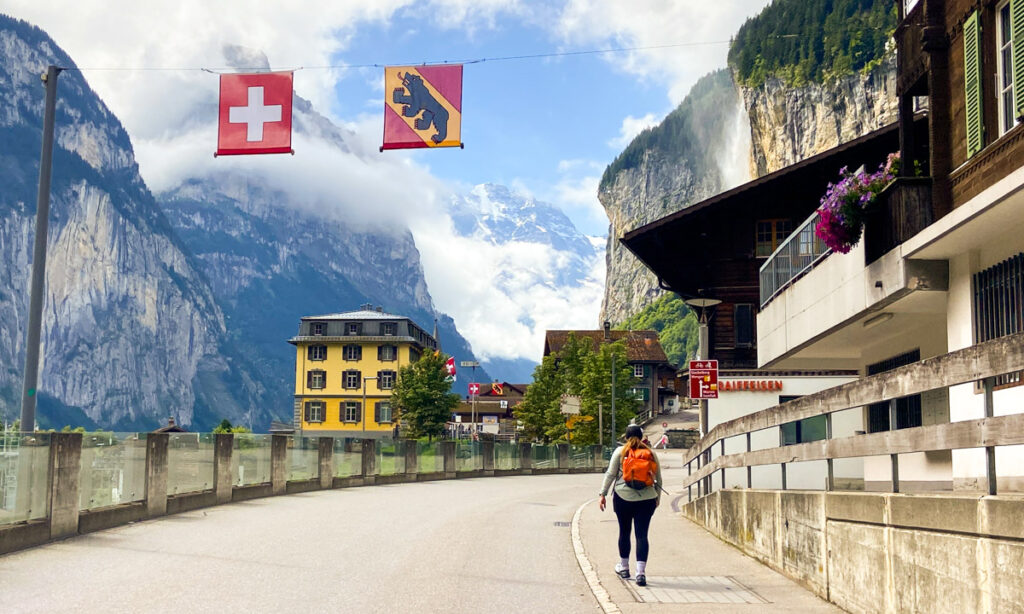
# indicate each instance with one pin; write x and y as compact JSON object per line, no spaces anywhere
{"x":903,"y":209}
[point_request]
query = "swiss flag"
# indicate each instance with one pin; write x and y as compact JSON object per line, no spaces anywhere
{"x":255,"y":114}
{"x":449,"y":366}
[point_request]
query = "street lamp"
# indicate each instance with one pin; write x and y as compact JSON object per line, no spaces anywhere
{"x":704,"y":307}
{"x":364,"y":401}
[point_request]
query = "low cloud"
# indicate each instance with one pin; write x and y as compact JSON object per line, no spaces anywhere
{"x":632,"y":126}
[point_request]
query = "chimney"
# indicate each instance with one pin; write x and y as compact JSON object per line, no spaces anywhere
{"x":607,"y":330}
{"x":380,"y":309}
{"x":170,"y":421}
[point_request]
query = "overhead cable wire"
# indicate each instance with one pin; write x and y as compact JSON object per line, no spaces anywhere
{"x":506,"y":58}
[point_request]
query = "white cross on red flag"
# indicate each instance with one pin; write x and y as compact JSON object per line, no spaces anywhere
{"x":255,"y":114}
{"x":474,"y":389}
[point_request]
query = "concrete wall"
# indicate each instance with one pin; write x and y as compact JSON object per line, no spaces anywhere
{"x":881,"y":552}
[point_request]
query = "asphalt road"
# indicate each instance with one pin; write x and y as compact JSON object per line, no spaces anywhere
{"x":479,"y":545}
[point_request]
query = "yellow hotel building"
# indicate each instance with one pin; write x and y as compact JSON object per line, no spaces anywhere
{"x":345,"y":367}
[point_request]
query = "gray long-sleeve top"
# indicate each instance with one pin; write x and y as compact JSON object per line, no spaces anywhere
{"x":614,"y":474}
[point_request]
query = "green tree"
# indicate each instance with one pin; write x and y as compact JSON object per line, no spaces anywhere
{"x":678,"y":331}
{"x":583,"y":370}
{"x":423,"y":397}
{"x":225,"y":426}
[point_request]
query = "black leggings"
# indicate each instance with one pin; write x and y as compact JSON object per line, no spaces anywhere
{"x":638,"y":514}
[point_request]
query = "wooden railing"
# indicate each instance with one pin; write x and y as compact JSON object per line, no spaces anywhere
{"x":979,"y":363}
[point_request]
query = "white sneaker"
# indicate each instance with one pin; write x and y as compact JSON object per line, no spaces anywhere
{"x":622,"y":571}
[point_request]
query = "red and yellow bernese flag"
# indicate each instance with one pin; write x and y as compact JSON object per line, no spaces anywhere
{"x":422,"y":106}
{"x":497,"y":388}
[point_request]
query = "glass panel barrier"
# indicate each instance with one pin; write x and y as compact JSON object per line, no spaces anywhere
{"x":468,"y":456}
{"x":429,"y":457}
{"x":390,"y":456}
{"x":545,"y":457}
{"x":113,"y":469}
{"x":24,"y":472}
{"x":303,"y":458}
{"x":348,"y":457}
{"x":250,"y":459}
{"x":581,"y":457}
{"x":189,"y":462}
{"x":506,"y":456}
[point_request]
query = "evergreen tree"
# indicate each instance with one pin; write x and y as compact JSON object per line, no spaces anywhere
{"x":422,"y":395}
{"x":801,"y":41}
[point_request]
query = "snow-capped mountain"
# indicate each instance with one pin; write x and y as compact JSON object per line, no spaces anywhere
{"x":538,"y":270}
{"x":496,"y":214}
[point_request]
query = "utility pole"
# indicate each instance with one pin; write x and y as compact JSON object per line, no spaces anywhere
{"x":704,"y":311}
{"x":35,"y":309}
{"x":600,"y":423}
{"x":613,"y":400}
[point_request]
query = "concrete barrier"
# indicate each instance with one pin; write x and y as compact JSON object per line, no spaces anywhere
{"x":869,"y":552}
{"x":66,"y":519}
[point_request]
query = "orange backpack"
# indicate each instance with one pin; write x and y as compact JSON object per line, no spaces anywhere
{"x":638,"y":468}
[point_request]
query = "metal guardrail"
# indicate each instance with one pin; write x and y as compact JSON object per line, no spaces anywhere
{"x":983,"y":362}
{"x":795,"y":256}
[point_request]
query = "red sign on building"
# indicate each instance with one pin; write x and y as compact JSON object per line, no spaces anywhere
{"x":703,"y":379}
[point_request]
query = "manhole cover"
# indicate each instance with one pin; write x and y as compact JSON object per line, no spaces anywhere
{"x":694,"y":589}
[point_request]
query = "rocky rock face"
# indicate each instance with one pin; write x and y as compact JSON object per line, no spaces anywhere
{"x":131,"y":331}
{"x":785,"y":125}
{"x":700,"y":149}
{"x":790,"y":124}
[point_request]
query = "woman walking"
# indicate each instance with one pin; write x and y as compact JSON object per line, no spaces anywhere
{"x":636,"y":474}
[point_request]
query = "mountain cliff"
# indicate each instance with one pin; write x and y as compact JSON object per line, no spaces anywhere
{"x":804,"y":76}
{"x":131,"y":331}
{"x":697,"y":151}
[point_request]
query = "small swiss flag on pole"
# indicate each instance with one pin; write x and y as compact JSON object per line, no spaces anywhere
{"x":255,"y":114}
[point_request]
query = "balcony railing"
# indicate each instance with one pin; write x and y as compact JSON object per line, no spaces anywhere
{"x":904,"y":208}
{"x":797,"y":255}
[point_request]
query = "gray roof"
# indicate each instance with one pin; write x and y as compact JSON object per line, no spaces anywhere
{"x":357,"y":315}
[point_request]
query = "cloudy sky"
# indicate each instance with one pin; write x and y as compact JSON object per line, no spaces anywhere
{"x":546,"y":126}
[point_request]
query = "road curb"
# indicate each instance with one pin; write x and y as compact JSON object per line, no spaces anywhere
{"x":589,"y":573}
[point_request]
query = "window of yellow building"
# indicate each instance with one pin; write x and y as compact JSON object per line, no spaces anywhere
{"x":314,"y":411}
{"x":350,"y":411}
{"x":317,"y":352}
{"x":316,"y":379}
{"x":353,"y":352}
{"x":382,"y":412}
{"x":387,"y":353}
{"x":386,"y":380}
{"x":350,"y":379}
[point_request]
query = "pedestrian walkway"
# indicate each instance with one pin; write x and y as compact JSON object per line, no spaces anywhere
{"x":689,"y":570}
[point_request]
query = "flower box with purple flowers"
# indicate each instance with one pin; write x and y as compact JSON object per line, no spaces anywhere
{"x":841,"y":214}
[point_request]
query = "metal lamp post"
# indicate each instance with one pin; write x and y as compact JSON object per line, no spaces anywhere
{"x":704,"y":312}
{"x":364,"y":400}
{"x":35,"y":309}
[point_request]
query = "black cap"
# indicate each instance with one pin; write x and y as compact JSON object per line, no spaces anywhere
{"x":634,"y":430}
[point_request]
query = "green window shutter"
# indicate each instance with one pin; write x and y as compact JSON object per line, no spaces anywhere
{"x":1017,"y":38}
{"x":972,"y":82}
